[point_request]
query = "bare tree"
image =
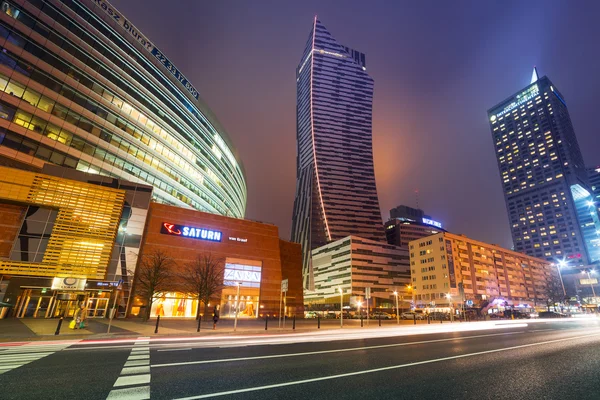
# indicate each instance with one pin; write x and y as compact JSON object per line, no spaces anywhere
{"x":203,"y":278}
{"x":555,"y":291}
{"x":153,"y":277}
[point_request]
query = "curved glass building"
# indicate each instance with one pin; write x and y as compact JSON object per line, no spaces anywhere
{"x":81,"y":87}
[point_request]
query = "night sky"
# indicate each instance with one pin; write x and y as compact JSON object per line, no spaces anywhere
{"x":437,"y":68}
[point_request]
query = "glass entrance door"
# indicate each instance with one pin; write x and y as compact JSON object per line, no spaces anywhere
{"x":97,"y":307}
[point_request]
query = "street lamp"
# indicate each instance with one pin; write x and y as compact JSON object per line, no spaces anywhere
{"x":562,"y":264}
{"x":449,"y":297}
{"x":412,"y":289}
{"x":358,"y":303}
{"x":590,"y":282}
{"x":341,"y":307}
{"x":237,"y":303}
{"x":397,"y":309}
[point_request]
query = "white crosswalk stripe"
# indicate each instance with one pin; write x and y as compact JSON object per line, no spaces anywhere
{"x":12,"y":357}
{"x":134,"y":380}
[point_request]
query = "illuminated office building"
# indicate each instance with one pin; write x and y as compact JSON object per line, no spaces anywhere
{"x":336,"y":194}
{"x":407,"y":224}
{"x":549,"y":202}
{"x":81,"y":87}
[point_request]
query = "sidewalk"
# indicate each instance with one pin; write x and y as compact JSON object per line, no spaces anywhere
{"x":13,"y":329}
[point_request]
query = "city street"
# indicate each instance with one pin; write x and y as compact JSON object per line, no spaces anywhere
{"x":484,"y":360}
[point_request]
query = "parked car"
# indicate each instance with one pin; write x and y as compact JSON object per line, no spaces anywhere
{"x":310,"y":314}
{"x":552,"y":314}
{"x":439,"y":315}
{"x":382,"y":315}
{"x":412,"y":315}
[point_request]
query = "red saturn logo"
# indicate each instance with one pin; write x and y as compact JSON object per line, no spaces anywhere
{"x":171,"y":228}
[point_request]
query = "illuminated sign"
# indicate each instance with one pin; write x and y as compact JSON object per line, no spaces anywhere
{"x":522,"y":98}
{"x":236,"y":275}
{"x":147,"y":44}
{"x":451,"y":273}
{"x":432,"y":222}
{"x":237,"y":239}
{"x":68,"y":284}
{"x":190,"y":232}
{"x":591,"y":281}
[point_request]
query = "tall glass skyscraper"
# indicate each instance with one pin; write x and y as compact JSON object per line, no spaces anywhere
{"x":549,"y":201}
{"x":336,"y":194}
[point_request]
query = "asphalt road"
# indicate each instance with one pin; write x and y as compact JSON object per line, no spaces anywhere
{"x":518,"y":360}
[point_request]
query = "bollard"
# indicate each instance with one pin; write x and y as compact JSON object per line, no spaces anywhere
{"x":58,"y":326}
{"x":379,"y":319}
{"x":361,"y":320}
{"x":266,"y":322}
{"x":199,"y":322}
{"x":318,"y":321}
{"x":428,"y":319}
{"x":414,"y":319}
{"x":294,"y":323}
{"x":157,"y":320}
{"x":441,"y":319}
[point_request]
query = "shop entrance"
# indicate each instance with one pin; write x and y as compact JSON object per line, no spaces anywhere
{"x":97,"y":307}
{"x":33,"y":304}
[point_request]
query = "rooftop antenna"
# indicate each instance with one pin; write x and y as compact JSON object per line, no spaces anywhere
{"x":534,"y":75}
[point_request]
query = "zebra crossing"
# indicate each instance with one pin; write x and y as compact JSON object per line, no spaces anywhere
{"x":12,"y":357}
{"x":134,"y":380}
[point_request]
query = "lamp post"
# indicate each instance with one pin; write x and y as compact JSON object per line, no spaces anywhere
{"x":412,"y":289}
{"x":397,"y":309}
{"x":341,"y":307}
{"x":449,"y":297}
{"x":590,"y":281}
{"x":237,"y":303}
{"x":562,"y":264}
{"x":358,"y":304}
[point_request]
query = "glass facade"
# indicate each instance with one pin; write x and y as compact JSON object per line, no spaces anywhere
{"x":69,"y":229}
{"x":78,"y":91}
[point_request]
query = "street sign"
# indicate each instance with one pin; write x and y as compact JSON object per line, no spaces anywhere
{"x":284,"y":285}
{"x":368,"y":292}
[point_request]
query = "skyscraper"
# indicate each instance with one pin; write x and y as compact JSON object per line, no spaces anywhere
{"x":548,"y":199}
{"x":336,"y":194}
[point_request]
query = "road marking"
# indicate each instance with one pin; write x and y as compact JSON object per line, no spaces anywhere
{"x":135,"y":363}
{"x":16,"y":356}
{"x":140,"y":357}
{"x":132,"y":380}
{"x":143,"y":369}
{"x":135,"y":372}
{"x":541,"y":330}
{"x":134,"y":393}
{"x":188,"y":348}
{"x":374,"y":370}
{"x":310,"y":353}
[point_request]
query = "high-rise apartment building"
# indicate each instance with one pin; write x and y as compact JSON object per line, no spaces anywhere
{"x":336,"y":194}
{"x":545,"y":183}
{"x":488,"y":274}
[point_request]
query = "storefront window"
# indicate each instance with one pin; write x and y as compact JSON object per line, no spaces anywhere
{"x":247,"y":274}
{"x":174,"y":305}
